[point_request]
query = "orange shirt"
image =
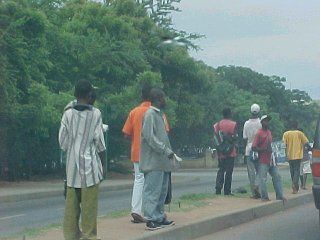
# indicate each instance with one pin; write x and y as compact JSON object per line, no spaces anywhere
{"x":132,"y":128}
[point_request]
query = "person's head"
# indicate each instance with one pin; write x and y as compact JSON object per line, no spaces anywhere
{"x":265,"y":119}
{"x":145,"y":92}
{"x":157,"y":98}
{"x":226,"y":113}
{"x":255,"y":109}
{"x":82,"y":91}
{"x":294,"y":125}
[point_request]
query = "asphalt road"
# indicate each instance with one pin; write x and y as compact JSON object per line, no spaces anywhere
{"x":300,"y":223}
{"x":17,"y":217}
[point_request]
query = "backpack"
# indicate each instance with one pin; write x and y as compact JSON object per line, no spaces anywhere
{"x":223,"y":142}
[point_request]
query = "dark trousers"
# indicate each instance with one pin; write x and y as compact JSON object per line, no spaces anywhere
{"x":224,"y":175}
{"x":295,"y":172}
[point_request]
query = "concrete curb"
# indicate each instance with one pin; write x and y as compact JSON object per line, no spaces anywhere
{"x":211,"y":225}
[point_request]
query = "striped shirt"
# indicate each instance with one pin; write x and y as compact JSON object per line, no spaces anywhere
{"x":81,"y":137}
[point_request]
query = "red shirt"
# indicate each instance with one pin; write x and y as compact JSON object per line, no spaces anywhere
{"x":226,"y":126}
{"x":263,"y":139}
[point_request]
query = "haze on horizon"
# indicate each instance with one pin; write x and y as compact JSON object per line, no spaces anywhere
{"x":271,"y":37}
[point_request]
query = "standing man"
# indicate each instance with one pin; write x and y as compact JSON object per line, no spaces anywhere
{"x":294,"y":141}
{"x":81,"y":137}
{"x":226,"y":161}
{"x":156,"y":162}
{"x":262,"y":144}
{"x":250,"y":129}
{"x":132,"y":130}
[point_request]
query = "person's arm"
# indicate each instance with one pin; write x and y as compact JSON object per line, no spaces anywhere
{"x":245,"y":135}
{"x":148,"y":134}
{"x":304,"y":139}
{"x":256,"y":144}
{"x":128,"y":127}
{"x":98,"y":136}
{"x":63,"y":133}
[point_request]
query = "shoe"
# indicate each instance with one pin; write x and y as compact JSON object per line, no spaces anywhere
{"x":265,"y":200}
{"x":218,"y":192}
{"x":255,"y":197}
{"x":294,"y":191}
{"x":256,"y":193}
{"x":137,"y":218}
{"x":283,"y":199}
{"x":152,"y":226}
{"x":166,"y":223}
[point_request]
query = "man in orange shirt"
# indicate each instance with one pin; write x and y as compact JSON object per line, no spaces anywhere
{"x":132,"y":130}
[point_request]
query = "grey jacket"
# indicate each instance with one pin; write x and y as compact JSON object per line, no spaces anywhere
{"x":155,"y":145}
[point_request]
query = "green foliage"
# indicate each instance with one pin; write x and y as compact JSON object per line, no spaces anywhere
{"x":48,"y":45}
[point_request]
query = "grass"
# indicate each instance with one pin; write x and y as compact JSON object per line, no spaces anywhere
{"x":33,"y":232}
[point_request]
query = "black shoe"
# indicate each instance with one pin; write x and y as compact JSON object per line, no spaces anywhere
{"x":218,"y":192}
{"x":166,"y":223}
{"x":151,"y":226}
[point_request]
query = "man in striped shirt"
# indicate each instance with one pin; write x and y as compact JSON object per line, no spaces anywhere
{"x":81,"y":137}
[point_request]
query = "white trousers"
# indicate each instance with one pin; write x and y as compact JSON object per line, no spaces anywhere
{"x":136,"y":202}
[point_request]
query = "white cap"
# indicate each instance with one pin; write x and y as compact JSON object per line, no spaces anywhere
{"x":265,"y":117}
{"x":255,"y":108}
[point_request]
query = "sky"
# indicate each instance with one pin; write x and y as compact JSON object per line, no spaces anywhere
{"x":273,"y":37}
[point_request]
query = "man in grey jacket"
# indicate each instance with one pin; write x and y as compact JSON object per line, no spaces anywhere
{"x":156,"y":162}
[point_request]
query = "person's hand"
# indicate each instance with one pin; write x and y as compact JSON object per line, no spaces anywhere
{"x":171,"y":155}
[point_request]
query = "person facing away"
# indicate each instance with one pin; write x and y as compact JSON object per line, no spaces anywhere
{"x":294,"y":141}
{"x":81,"y":137}
{"x":262,"y":144}
{"x":225,"y":162}
{"x":91,"y":101}
{"x":132,"y":130}
{"x":156,"y":162}
{"x":250,"y":129}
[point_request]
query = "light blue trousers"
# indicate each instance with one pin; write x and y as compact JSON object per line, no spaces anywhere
{"x":264,"y":169}
{"x":154,"y":194}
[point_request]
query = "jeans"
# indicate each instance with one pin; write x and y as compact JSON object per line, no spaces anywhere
{"x":276,"y":180}
{"x":154,"y":194}
{"x":253,"y":175}
{"x":295,"y":172}
{"x":136,"y":202}
{"x":224,"y":175}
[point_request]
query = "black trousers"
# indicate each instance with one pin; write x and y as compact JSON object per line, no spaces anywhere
{"x":295,"y":172}
{"x":224,"y":175}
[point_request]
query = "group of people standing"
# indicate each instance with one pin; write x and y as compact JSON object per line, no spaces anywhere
{"x":259,"y":156}
{"x":81,"y":138}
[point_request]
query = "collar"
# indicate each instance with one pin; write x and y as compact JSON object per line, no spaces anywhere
{"x":82,"y":107}
{"x":145,"y":104}
{"x":156,"y":109}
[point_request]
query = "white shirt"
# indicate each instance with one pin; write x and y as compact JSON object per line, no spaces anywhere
{"x":81,"y":136}
{"x":250,"y":129}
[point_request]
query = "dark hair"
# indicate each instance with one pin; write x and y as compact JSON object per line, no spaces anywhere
{"x":226,"y":112}
{"x":145,"y":92}
{"x":294,"y":124}
{"x":155,"y":94}
{"x":82,"y":89}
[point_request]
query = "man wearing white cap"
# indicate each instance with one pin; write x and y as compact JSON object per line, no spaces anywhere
{"x":250,"y":129}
